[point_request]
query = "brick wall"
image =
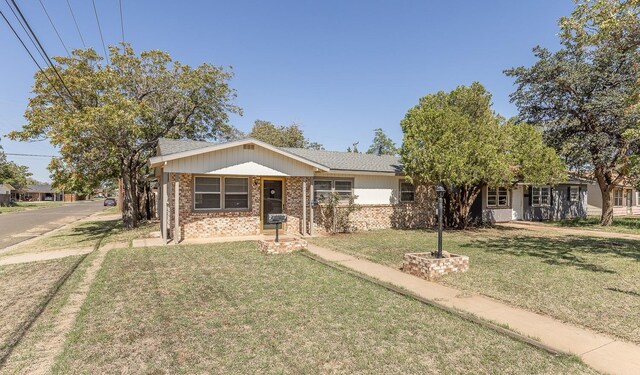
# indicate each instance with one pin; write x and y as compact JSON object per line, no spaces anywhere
{"x":194,"y":224}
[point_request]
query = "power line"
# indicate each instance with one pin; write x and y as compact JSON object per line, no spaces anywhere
{"x":54,"y":27}
{"x":24,"y":28}
{"x":121,"y":21}
{"x":32,"y":58}
{"x":95,"y":10}
{"x":76,"y":22}
{"x":42,"y":48}
{"x":32,"y":155}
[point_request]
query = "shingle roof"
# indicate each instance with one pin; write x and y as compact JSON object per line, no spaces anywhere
{"x":173,"y":146}
{"x":41,"y":188}
{"x":348,"y":161}
{"x":7,"y":187}
{"x":334,"y":160}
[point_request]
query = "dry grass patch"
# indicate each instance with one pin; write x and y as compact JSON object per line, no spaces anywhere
{"x":23,"y":289}
{"x":587,"y":281}
{"x":226,"y":308}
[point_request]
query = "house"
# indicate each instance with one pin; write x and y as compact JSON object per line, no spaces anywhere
{"x":5,"y":193}
{"x":532,"y":202}
{"x":228,"y":189}
{"x":40,"y":192}
{"x":626,"y":200}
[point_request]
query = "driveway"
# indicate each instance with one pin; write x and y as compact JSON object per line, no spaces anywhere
{"x":20,"y":226}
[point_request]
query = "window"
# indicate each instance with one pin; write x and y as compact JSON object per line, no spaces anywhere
{"x":574,"y":193}
{"x":207,"y":193}
{"x":617,"y":197}
{"x":323,"y":188}
{"x":407,"y":192}
{"x":637,"y":198}
{"x":497,"y":197}
{"x":236,"y":193}
{"x":541,"y":196}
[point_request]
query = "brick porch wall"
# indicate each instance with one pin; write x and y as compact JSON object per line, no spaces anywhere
{"x":194,"y":224}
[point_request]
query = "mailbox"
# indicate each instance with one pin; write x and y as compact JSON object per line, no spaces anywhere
{"x":277,"y":218}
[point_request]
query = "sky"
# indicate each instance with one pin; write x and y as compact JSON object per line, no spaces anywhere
{"x":338,"y":68}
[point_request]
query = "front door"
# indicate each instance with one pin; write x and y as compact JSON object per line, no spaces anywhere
{"x":272,"y":200}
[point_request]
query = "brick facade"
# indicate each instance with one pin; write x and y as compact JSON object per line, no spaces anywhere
{"x":202,"y":224}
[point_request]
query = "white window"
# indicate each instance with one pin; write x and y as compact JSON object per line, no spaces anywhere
{"x":206,"y":191}
{"x":497,"y":197}
{"x":540,"y":196}
{"x":236,"y":193}
{"x":323,"y":188}
{"x":574,"y":194}
{"x":617,"y":197}
{"x":637,"y":198}
{"x":407,"y":192}
{"x":215,"y":193}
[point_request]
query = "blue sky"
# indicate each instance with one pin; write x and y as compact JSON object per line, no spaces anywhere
{"x":338,"y":68}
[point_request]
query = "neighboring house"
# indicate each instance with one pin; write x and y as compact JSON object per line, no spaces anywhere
{"x":530,"y":202}
{"x":40,"y":192}
{"x":626,"y":200}
{"x":5,"y":193}
{"x":228,"y":189}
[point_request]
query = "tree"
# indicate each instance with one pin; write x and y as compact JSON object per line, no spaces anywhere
{"x":456,"y":140}
{"x":107,"y":119}
{"x":354,"y":149}
{"x":13,"y":174}
{"x":585,"y":96}
{"x":382,"y":144}
{"x":282,"y":136}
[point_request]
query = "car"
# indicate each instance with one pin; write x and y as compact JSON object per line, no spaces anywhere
{"x":110,"y":202}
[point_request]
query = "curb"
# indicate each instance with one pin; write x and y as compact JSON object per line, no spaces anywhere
{"x":466,"y":316}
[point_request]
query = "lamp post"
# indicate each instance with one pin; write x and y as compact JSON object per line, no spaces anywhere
{"x":440,"y":192}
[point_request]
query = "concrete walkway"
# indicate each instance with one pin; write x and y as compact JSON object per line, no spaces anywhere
{"x":536,"y":226}
{"x":43,"y":255}
{"x":598,"y":351}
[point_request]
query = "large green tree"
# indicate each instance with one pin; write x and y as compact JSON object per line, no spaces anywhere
{"x":382,"y":144}
{"x":585,"y":95}
{"x":456,"y":140}
{"x":107,"y":118}
{"x":282,"y":136}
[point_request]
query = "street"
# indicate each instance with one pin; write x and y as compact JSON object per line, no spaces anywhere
{"x":20,"y":226}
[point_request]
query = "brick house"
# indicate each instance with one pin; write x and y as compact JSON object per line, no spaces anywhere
{"x":228,"y":189}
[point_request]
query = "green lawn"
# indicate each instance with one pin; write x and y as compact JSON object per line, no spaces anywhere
{"x":587,"y":281}
{"x":227,"y":308}
{"x":86,"y":234}
{"x":24,"y":287}
{"x":23,"y":206}
{"x":625,"y":224}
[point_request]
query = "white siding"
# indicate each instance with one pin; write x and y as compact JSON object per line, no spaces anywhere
{"x":594,"y":200}
{"x":236,"y":156}
{"x":371,"y":189}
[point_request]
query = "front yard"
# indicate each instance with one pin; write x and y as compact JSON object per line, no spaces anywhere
{"x":624,"y":224}
{"x":587,"y":281}
{"x":226,"y":308}
{"x":23,"y":206}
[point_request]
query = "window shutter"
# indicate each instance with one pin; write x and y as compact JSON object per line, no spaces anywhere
{"x":530,"y":195}
{"x":568,"y":193}
{"x":550,"y":196}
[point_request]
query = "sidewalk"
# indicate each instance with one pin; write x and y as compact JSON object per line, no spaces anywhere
{"x":569,"y":230}
{"x":598,"y":351}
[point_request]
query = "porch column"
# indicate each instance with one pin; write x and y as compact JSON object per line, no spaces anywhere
{"x":176,"y":233}
{"x":304,"y":206}
{"x":164,"y":204}
{"x":311,"y":209}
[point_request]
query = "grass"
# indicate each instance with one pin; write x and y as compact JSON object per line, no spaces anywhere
{"x":588,"y":281}
{"x":86,"y":234}
{"x":23,"y":287}
{"x":23,"y":206}
{"x":26,"y":356}
{"x":624,"y":224}
{"x":226,"y":308}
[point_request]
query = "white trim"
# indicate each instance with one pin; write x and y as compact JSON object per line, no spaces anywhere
{"x":157,"y":160}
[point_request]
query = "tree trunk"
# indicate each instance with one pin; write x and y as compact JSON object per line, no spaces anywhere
{"x":606,"y":190}
{"x":458,"y":206}
{"x":130,"y":201}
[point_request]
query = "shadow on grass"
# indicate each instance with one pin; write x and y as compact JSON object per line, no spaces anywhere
{"x":570,"y":251}
{"x":92,"y":231}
